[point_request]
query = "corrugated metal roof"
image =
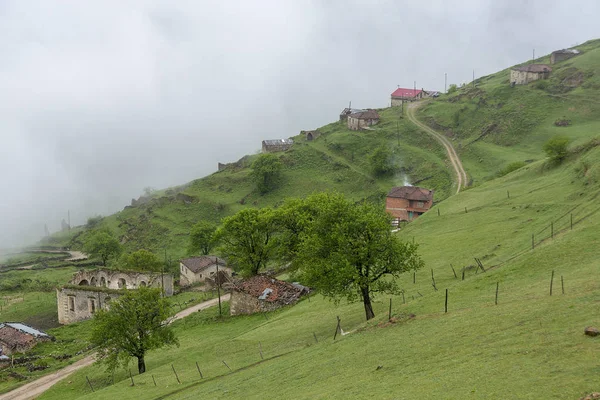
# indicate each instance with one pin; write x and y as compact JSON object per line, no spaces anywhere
{"x":275,"y":142}
{"x":25,"y":329}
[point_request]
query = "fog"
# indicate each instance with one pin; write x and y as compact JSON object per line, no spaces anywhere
{"x":101,"y":99}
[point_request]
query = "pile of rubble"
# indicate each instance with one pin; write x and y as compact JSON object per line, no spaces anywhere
{"x":271,"y":290}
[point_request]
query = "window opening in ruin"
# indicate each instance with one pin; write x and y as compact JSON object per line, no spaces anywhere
{"x":102,"y":282}
{"x":71,"y":303}
{"x":93,"y":281}
{"x":122,"y":283}
{"x":84,"y":282}
{"x":92,"y":306}
{"x":142,"y":284}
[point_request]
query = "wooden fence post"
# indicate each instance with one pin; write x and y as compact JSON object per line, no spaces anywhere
{"x":223,"y":361}
{"x":497,"y":286}
{"x":551,"y":281}
{"x":453,"y":271}
{"x":390,"y":311}
{"x":260,"y":350}
{"x":532,"y":241}
{"x":337,"y":328}
{"x":175,"y":372}
{"x":562,"y":284}
{"x":131,"y":376}
{"x":89,"y":383}
{"x":463,"y":274}
{"x":446,"y":302}
{"x":153,"y":380}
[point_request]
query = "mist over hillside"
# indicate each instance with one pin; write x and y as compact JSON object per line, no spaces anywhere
{"x":103,"y":100}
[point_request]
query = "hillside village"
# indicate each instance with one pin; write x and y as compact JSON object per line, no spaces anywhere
{"x":514,"y":210}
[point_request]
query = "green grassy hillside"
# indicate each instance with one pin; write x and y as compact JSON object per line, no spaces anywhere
{"x":337,"y":160}
{"x":531,"y":339}
{"x":493,"y":124}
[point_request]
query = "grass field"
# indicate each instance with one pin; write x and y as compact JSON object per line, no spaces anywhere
{"x":531,"y":339}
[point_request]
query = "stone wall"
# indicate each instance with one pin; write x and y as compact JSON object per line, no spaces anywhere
{"x":81,"y":304}
{"x":112,"y":279}
{"x":524,"y":77}
{"x":243,"y":303}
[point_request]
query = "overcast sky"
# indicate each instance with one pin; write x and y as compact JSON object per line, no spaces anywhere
{"x":101,"y":99}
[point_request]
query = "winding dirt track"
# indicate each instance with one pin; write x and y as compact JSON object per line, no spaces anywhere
{"x":39,"y":386}
{"x":461,"y":175}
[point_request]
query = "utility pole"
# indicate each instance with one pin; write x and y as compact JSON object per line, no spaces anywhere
{"x":162,"y":276}
{"x":533,"y":59}
{"x":415,"y":90}
{"x":445,"y":82}
{"x":473,"y":78}
{"x":69,"y":218}
{"x":218,"y":285}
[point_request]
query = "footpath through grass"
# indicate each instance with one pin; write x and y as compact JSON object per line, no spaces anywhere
{"x":531,"y":339}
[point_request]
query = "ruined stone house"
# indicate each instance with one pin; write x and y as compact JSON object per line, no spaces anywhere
{"x":275,"y":145}
{"x":92,"y":290}
{"x":347,"y":111}
{"x":198,"y":269}
{"x":402,"y":95}
{"x":362,"y":119}
{"x":18,"y":338}
{"x":311,"y":135}
{"x":562,"y":55}
{"x":405,"y":203}
{"x":529,"y":73}
{"x":263,"y":293}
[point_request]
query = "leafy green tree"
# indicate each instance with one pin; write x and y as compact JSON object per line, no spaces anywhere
{"x":202,"y":238}
{"x":248,"y":240}
{"x":135,"y":324}
{"x":141,"y":260}
{"x":452,"y":88}
{"x":266,"y":172}
{"x":556,"y":148}
{"x":103,"y":245}
{"x":348,"y":250}
{"x":381,"y":161}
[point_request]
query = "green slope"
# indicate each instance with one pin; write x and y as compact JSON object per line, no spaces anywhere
{"x":493,"y":124}
{"x":337,"y":160}
{"x":530,"y":345}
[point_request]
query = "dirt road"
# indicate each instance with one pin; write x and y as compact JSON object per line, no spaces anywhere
{"x":461,"y":175}
{"x":39,"y":386}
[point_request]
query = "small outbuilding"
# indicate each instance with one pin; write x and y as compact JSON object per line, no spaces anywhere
{"x":18,"y":338}
{"x":529,"y":73}
{"x":275,"y":145}
{"x":362,"y":119}
{"x":198,"y":269}
{"x":562,"y":55}
{"x":405,"y":203}
{"x":347,"y":111}
{"x":263,"y":293}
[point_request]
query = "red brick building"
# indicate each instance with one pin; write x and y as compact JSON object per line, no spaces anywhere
{"x":406,"y":203}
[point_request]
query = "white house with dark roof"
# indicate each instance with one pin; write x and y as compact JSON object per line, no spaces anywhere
{"x":198,"y":269}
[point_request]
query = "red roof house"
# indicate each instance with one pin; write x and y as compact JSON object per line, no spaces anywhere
{"x":401,"y":95}
{"x":405,"y":203}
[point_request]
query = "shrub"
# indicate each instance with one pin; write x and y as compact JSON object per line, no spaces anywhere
{"x":452,"y":88}
{"x":556,"y":148}
{"x":513,"y":166}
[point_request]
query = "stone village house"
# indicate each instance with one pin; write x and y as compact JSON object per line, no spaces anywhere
{"x":198,"y":269}
{"x":18,"y":338}
{"x":92,"y":290}
{"x":562,"y":55}
{"x":275,"y":145}
{"x":529,"y":73}
{"x":405,"y":203}
{"x":263,"y":293}
{"x":362,"y":119}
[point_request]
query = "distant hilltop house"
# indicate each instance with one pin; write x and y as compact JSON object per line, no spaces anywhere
{"x":562,"y":55}
{"x":405,"y":203}
{"x":274,"y":145}
{"x":362,"y":119}
{"x":18,"y":338}
{"x":262,"y":293}
{"x":529,"y":73}
{"x":311,"y":135}
{"x":347,"y":111}
{"x":401,"y":95}
{"x":203,"y":269}
{"x":89,"y":291}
